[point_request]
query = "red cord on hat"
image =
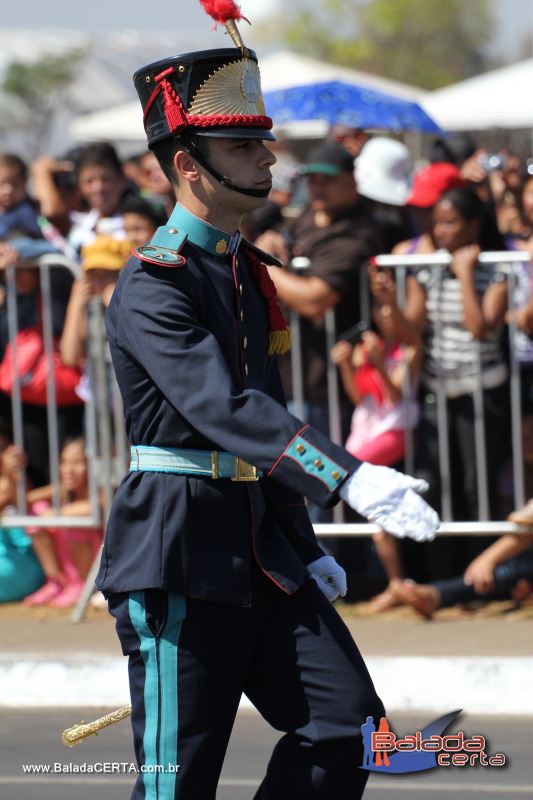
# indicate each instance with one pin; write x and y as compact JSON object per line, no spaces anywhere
{"x":174,"y":111}
{"x":178,"y":119}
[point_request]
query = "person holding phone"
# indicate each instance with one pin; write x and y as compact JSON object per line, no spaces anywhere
{"x":373,"y":367}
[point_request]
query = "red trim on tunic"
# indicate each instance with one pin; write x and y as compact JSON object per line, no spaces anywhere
{"x":263,"y":570}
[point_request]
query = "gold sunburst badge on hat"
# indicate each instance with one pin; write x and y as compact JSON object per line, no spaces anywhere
{"x":232,"y":89}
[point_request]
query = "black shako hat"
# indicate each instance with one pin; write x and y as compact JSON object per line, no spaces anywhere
{"x":207,"y":93}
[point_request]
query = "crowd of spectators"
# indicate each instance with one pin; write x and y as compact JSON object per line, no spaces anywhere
{"x":89,"y":210}
{"x":350,"y":199}
{"x":459,"y":203}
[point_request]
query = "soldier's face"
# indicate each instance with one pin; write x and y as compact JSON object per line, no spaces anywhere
{"x":247,"y":163}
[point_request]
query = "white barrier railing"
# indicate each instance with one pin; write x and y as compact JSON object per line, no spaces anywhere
{"x":400,"y":264}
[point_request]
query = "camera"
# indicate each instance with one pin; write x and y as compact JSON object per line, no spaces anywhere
{"x":65,"y":180}
{"x":354,"y":334}
{"x":491,"y":162}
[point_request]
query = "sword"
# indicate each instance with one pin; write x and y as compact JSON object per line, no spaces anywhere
{"x":74,"y":735}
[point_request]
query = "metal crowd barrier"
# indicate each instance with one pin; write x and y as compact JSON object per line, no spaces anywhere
{"x":20,"y":517}
{"x":400,"y":264}
{"x":106,"y":447}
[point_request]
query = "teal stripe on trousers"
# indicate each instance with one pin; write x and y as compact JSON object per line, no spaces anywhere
{"x":160,"y":784}
{"x":151,"y":689}
{"x":168,"y":659}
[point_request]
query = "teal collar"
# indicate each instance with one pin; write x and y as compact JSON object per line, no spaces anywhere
{"x":199,"y":232}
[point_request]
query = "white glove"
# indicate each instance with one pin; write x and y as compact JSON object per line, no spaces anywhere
{"x":329,"y":576}
{"x":389,"y":499}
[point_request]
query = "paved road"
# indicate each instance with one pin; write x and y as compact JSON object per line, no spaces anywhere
{"x":32,"y":736}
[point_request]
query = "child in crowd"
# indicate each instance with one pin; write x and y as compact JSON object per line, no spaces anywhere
{"x":20,"y":571}
{"x":55,"y":187}
{"x":154,"y":184}
{"x":141,"y":219}
{"x":429,"y":184}
{"x":102,"y":261}
{"x":17,"y":213}
{"x":104,"y":188}
{"x":374,"y":374}
{"x":65,"y":554}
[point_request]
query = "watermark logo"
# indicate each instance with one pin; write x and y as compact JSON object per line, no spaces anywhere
{"x":385,"y":751}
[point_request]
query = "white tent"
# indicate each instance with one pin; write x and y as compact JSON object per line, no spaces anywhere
{"x":121,"y":124}
{"x":284,"y":68}
{"x":497,"y":99}
{"x":103,"y":77}
{"x":278,"y":71}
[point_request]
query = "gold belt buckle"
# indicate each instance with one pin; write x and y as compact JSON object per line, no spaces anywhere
{"x":214,"y":465}
{"x":244,"y":471}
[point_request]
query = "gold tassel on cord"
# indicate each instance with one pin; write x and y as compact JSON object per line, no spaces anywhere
{"x":279,"y":342}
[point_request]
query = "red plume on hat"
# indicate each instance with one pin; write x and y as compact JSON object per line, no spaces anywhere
{"x":226,"y":12}
{"x":222,"y":10}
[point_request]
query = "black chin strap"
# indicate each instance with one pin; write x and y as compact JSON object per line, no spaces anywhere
{"x":195,"y":151}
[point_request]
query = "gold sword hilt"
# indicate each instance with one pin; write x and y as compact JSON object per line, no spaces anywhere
{"x":74,"y":735}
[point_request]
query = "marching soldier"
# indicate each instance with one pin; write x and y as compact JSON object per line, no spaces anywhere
{"x":210,"y":564}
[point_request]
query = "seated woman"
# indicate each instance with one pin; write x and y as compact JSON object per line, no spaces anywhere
{"x":65,"y":554}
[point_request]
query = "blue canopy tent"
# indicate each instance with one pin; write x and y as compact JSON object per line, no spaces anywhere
{"x":336,"y":102}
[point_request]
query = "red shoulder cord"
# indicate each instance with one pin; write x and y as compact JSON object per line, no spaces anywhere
{"x":279,"y":333}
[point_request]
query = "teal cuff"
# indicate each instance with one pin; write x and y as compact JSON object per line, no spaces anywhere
{"x":316,"y":463}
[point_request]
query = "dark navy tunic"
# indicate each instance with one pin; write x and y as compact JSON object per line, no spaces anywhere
{"x":190,"y":350}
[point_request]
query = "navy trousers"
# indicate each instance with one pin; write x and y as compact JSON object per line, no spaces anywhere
{"x":189,"y":662}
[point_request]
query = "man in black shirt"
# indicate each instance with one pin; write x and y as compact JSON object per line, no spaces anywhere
{"x":336,"y":234}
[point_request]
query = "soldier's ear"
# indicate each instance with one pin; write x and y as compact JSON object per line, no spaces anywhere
{"x":186,"y":166}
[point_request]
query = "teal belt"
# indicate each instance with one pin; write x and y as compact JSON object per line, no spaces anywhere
{"x":211,"y":463}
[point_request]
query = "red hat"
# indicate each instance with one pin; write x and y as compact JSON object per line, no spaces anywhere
{"x":431,"y":182}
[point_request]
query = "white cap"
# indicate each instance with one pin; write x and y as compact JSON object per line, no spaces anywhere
{"x":383,"y":170}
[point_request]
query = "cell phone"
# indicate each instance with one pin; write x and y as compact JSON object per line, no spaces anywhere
{"x":354,"y":334}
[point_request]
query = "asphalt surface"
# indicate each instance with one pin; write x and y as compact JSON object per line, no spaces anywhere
{"x":33,"y":737}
